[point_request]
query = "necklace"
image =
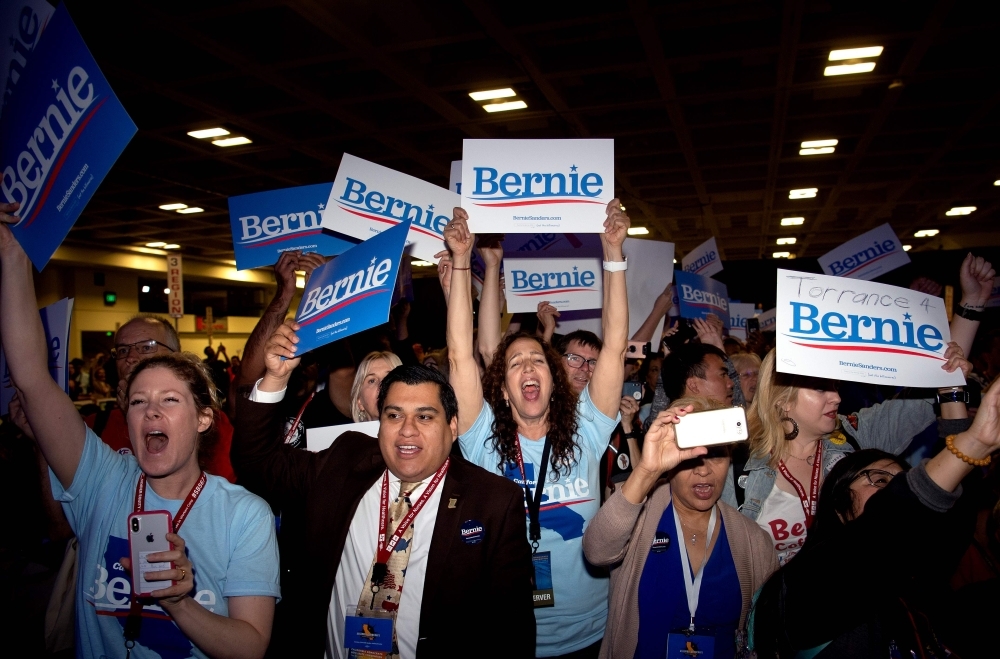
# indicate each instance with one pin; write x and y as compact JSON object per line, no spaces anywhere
{"x":809,"y":460}
{"x":694,"y":534}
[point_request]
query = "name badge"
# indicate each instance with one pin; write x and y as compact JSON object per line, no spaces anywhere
{"x":368,"y":637}
{"x":684,"y":646}
{"x":542,"y":582}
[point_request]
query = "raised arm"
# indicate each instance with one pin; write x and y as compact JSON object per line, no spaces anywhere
{"x":606,"y":384}
{"x":489,"y":303}
{"x":660,"y":308}
{"x":976,"y":275}
{"x":464,"y":373}
{"x":57,"y":425}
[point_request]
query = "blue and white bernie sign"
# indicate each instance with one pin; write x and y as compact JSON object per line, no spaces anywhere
{"x":368,"y":198}
{"x":61,"y":132}
{"x":699,"y":296}
{"x":703,"y":260}
{"x":738,"y":314}
{"x":871,"y":254}
{"x":21,"y":25}
{"x":55,"y":323}
{"x":353,"y":292}
{"x":828,"y":327}
{"x":537,"y":186}
{"x":568,"y":284}
{"x":266,"y":224}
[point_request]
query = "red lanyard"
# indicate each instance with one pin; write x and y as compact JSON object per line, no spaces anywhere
{"x":140,"y":499}
{"x":808,"y":504}
{"x":385,"y":548}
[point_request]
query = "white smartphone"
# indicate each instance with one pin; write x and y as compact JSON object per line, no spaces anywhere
{"x":147,"y":534}
{"x":712,"y":427}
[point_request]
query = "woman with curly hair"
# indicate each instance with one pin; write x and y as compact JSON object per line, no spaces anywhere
{"x":525,"y":422}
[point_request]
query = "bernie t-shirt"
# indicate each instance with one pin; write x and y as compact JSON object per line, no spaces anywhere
{"x":580,"y":591}
{"x":229,"y":535}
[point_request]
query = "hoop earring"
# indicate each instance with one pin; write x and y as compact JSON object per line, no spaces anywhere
{"x":789,"y":436}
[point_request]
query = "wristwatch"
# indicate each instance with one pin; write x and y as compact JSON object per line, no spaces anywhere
{"x":955,"y":395}
{"x":969,"y":314}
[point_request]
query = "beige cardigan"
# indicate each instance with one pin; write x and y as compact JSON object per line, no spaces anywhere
{"x":620,"y":536}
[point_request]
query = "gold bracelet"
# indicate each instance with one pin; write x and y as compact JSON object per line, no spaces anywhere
{"x":949,"y":441}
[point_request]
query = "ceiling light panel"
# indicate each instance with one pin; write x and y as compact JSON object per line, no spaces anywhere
{"x":926,"y":233}
{"x":855,"y":53}
{"x":232,"y":141}
{"x":960,"y":210}
{"x":803,"y":193}
{"x":816,"y":151}
{"x":192,"y":209}
{"x":208,"y":132}
{"x":817,"y":144}
{"x":792,"y":221}
{"x":786,"y":241}
{"x":172,"y":207}
{"x":781,"y":255}
{"x":638,"y":231}
{"x":907,"y":248}
{"x":848,"y":69}
{"x":504,"y":107}
{"x":156,"y":244}
{"x":491,"y":94}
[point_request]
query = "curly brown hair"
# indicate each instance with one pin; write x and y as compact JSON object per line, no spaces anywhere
{"x":561,"y":413}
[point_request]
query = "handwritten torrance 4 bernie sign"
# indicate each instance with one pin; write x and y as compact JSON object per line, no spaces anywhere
{"x":537,"y":186}
{"x":829,"y":327}
{"x":568,"y":284}
{"x":871,"y":254}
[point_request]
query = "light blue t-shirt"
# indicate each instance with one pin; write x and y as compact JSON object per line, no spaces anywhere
{"x":229,"y":535}
{"x":580,"y":591}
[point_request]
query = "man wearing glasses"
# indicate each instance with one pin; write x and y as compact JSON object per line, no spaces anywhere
{"x":137,"y":340}
{"x":580,"y":350}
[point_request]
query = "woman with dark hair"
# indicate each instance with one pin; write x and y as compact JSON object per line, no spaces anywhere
{"x":523,"y":421}
{"x":880,"y":537}
{"x":222,"y":569}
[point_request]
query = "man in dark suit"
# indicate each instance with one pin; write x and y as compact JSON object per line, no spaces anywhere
{"x":459,"y":549}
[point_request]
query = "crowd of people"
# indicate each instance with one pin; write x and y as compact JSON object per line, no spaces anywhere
{"x":526,"y":487}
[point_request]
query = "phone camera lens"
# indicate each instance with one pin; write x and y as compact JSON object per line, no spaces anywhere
{"x":135,"y":525}
{"x":739,"y":423}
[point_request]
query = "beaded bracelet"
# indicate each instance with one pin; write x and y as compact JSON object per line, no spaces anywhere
{"x":949,"y":441}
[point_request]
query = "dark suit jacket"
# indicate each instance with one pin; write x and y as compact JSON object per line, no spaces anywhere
{"x":475,"y":596}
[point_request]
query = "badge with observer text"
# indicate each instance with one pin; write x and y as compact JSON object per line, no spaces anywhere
{"x":542,"y":582}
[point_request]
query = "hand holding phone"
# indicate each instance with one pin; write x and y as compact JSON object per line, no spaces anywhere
{"x":723,"y":426}
{"x":147,"y":534}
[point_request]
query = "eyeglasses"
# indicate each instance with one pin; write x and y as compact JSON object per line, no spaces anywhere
{"x":876,"y":477}
{"x":141,"y":347}
{"x":749,"y":374}
{"x":576,"y":361}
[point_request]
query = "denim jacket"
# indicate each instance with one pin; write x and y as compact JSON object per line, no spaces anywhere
{"x":889,"y":426}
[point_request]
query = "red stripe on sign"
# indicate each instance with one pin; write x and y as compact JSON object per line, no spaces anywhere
{"x":540,"y":202}
{"x":343,"y":304}
{"x":896,"y":351}
{"x":865,"y":264}
{"x":290,"y":236}
{"x":393,"y":222}
{"x":556,"y":290}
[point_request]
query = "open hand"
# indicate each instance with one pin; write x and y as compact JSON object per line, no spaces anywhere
{"x":709,"y":330}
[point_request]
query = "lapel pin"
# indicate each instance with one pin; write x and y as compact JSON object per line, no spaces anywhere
{"x":452,"y":502}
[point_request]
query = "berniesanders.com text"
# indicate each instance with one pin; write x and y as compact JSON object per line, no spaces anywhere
{"x":870,"y":367}
{"x":538,"y":218}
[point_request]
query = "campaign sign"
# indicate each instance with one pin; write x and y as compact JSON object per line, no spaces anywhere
{"x":547,"y":242}
{"x":738,"y":314}
{"x":871,"y":254}
{"x":699,"y":296}
{"x":861,"y":331}
{"x":568,"y":284}
{"x":55,"y":323}
{"x":21,"y":25}
{"x":994,"y":299}
{"x":61,"y":132}
{"x":266,"y":224}
{"x":566,"y":188}
{"x":353,"y":292}
{"x":455,"y":177}
{"x":703,"y":260}
{"x":768,"y":320}
{"x":368,"y":198}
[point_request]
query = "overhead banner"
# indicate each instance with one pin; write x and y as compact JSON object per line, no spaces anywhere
{"x":700,"y":296}
{"x":55,"y":323}
{"x":568,"y":284}
{"x":367,"y":199}
{"x":567,"y":187}
{"x":61,"y":132}
{"x":21,"y":25}
{"x":175,"y":285}
{"x":738,"y":314}
{"x":266,"y":224}
{"x":871,"y":254}
{"x":703,"y":260}
{"x":353,"y":292}
{"x":864,"y":332}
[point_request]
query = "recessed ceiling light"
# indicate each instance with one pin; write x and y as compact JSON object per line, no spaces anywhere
{"x":159,"y":243}
{"x":786,"y":241}
{"x":491,"y":94}
{"x":208,"y":132}
{"x":166,"y":291}
{"x":421,"y":264}
{"x":172,"y":207}
{"x":792,"y":221}
{"x":848,"y":69}
{"x":172,"y":246}
{"x":638,"y":231}
{"x":188,"y":211}
{"x":145,"y":289}
{"x":781,"y":255}
{"x":232,"y":141}
{"x":814,"y":144}
{"x":803,"y":193}
{"x":816,"y":151}
{"x":926,"y":233}
{"x":907,"y":248}
{"x":996,"y":182}
{"x":503,"y":107}
{"x":855,"y":53}
{"x":960,"y":210}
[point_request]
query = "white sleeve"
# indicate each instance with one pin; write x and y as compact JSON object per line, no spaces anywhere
{"x":258,"y":396}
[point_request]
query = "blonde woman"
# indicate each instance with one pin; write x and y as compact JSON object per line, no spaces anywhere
{"x":364,"y":393}
{"x":797,"y":435}
{"x":748,"y":366}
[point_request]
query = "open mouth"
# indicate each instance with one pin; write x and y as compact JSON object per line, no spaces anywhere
{"x":156,"y":442}
{"x":703,"y":491}
{"x":531,"y":390}
{"x":832,"y":415}
{"x":407,"y":450}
